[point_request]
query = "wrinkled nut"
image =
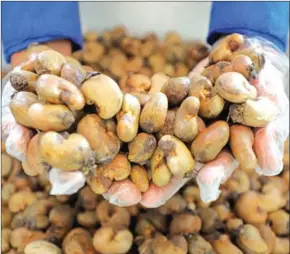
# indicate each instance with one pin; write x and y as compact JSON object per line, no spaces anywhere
{"x":168,"y":127}
{"x":53,"y":89}
{"x":251,"y":241}
{"x":254,"y":113}
{"x":225,"y":48}
{"x":78,"y":241}
{"x":128,"y":118}
{"x":100,"y":136}
{"x":160,"y":172}
{"x":21,"y":237}
{"x":87,"y":219}
{"x":186,"y":126}
{"x":210,"y":141}
{"x":6,"y":164}
{"x":111,"y":215}
{"x":249,"y":209}
{"x":41,"y":246}
{"x":178,"y":158}
{"x":279,"y":222}
{"x":154,"y":112}
{"x":5,"y":236}
{"x":241,"y":142}
{"x":200,"y":87}
{"x":185,"y":223}
{"x":58,"y":150}
{"x":239,"y":182}
{"x":175,"y":245}
{"x":198,"y":245}
{"x":46,"y":117}
{"x":139,"y":177}
{"x":210,"y":219}
{"x":244,"y":65}
{"x":223,"y":245}
{"x":19,"y":106}
{"x":213,"y":72}
{"x":98,"y":182}
{"x":234,"y":87}
{"x":175,"y":204}
{"x":49,"y":61}
{"x":104,"y":92}
{"x":20,"y":200}
{"x":35,"y":164}
{"x":118,"y":169}
{"x":141,"y":148}
{"x":157,"y":82}
{"x":108,"y":240}
{"x":176,"y":89}
{"x":23,"y":80}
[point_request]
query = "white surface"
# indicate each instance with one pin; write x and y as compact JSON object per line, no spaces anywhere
{"x":190,"y":19}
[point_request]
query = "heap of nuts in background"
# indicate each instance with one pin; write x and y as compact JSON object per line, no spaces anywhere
{"x":146,"y":129}
{"x":116,"y":53}
{"x":250,"y":216}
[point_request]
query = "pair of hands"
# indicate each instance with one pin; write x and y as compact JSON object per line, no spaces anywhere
{"x":272,"y":82}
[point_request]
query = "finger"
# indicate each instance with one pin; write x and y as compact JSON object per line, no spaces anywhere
{"x":213,"y":174}
{"x":123,"y":193}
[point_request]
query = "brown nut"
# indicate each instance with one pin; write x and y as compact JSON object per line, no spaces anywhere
{"x":251,"y":241}
{"x":41,"y":246}
{"x":176,"y":245}
{"x":6,"y":164}
{"x":23,"y":80}
{"x":134,"y":64}
{"x":128,"y":118}
{"x":6,"y":217}
{"x":225,"y":48}
{"x":7,"y":190}
{"x":53,"y":89}
{"x":223,"y":211}
{"x":20,"y":237}
{"x":244,"y":65}
{"x":234,"y":87}
{"x":185,"y":223}
{"x":200,"y":87}
{"x":191,"y":195}
{"x":279,"y":221}
{"x":210,"y":219}
{"x":234,"y":225}
{"x":87,"y":199}
{"x":78,"y":241}
{"x":58,"y":151}
{"x":254,"y":113}
{"x":175,"y":204}
{"x":50,"y":117}
{"x":213,"y":72}
{"x":20,"y":200}
{"x":154,"y":112}
{"x":198,"y":245}
{"x":49,"y":61}
{"x":157,"y":82}
{"x":108,"y":240}
{"x":137,"y":83}
{"x":100,"y":136}
{"x":239,"y":182}
{"x":248,"y":208}
{"x":178,"y":158}
{"x":223,"y":245}
{"x":92,"y":52}
{"x":281,"y":245}
{"x":210,"y":141}
{"x":241,"y":142}
{"x":141,"y":148}
{"x":168,"y":127}
{"x":5,"y":236}
{"x":118,"y":169}
{"x":186,"y":126}
{"x":160,"y":172}
{"x":269,"y":237}
{"x":19,"y":106}
{"x":176,"y":89}
{"x":110,"y":215}
{"x":35,"y":164}
{"x":104,"y":92}
{"x":98,"y":183}
{"x":87,"y":219}
{"x":139,"y":177}
{"x":211,"y":107}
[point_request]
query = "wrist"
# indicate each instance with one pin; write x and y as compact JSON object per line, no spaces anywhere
{"x":63,"y":46}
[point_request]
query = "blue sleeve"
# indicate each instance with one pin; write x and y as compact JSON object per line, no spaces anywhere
{"x":26,"y":22}
{"x":269,"y":20}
